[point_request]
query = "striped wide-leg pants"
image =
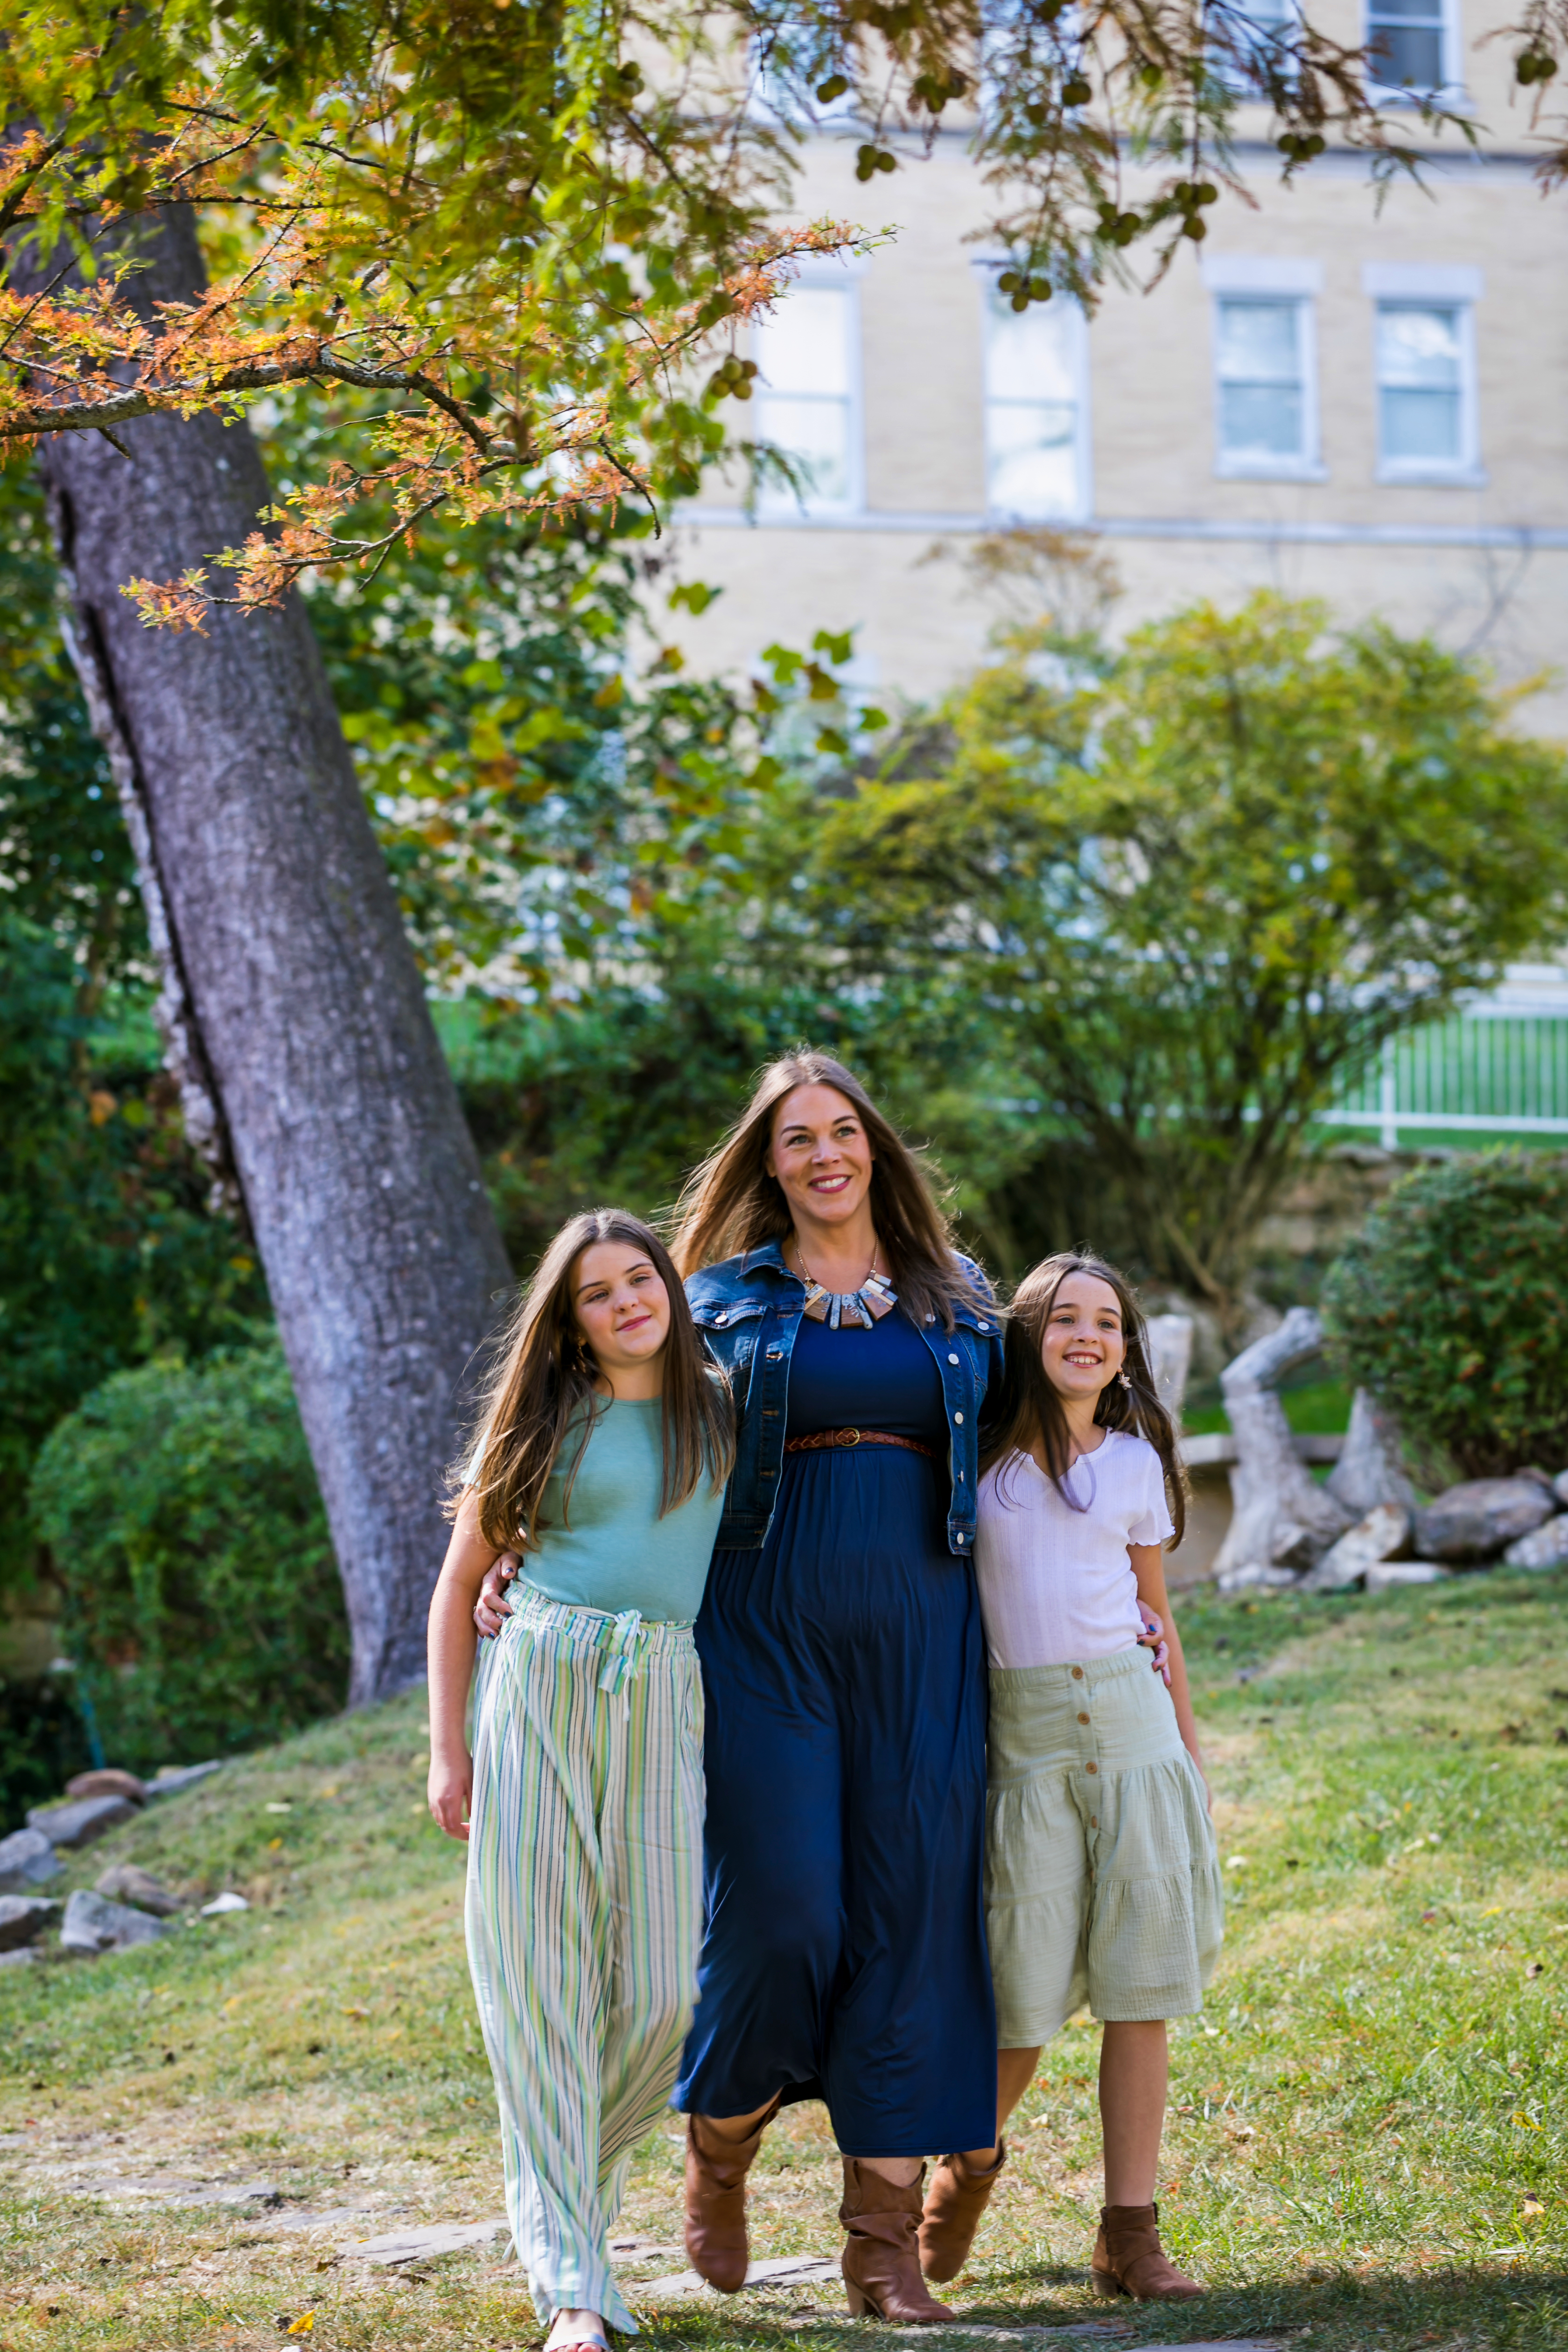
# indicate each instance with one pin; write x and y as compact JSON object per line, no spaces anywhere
{"x":584,"y":1916}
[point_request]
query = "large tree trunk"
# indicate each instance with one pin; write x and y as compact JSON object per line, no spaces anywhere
{"x":292,"y":1007}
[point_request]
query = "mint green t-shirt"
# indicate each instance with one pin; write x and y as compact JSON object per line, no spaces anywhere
{"x":617,"y":1553}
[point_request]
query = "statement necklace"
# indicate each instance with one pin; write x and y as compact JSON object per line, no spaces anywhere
{"x":856,"y":1310}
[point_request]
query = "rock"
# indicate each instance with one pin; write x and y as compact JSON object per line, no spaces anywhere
{"x":22,"y":1917}
{"x":1475,"y":1521}
{"x":223,"y":1904}
{"x":79,"y":1824}
{"x":418,"y":2245}
{"x":1383,"y":1531}
{"x":1170,"y":1357}
{"x":26,"y":1859}
{"x":1253,"y":1573}
{"x":93,"y":1924}
{"x":1544,"y":1547}
{"x":1559,"y":1487}
{"x":127,"y":1884}
{"x":20,"y":1957}
{"x":781,"y":2271}
{"x":1278,"y":1505}
{"x":1386,"y":1575}
{"x":1369,"y":1470}
{"x":109,"y":1781}
{"x":171,"y":1778}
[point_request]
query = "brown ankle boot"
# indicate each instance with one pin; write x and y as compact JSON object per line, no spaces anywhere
{"x":1129,"y":2260}
{"x":882,"y":2255}
{"x":954,"y":2202}
{"x":716,"y":2173}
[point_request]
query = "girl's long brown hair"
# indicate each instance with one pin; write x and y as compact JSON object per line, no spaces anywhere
{"x":1025,"y":1408}
{"x":732,"y":1204}
{"x":540,"y":1394}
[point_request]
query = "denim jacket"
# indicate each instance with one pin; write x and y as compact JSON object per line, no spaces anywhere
{"x":748,"y":1309}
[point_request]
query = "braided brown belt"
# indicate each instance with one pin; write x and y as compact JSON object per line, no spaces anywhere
{"x":835,"y":1437}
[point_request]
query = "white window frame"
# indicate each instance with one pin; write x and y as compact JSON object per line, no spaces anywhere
{"x":1082,"y":508}
{"x":1261,"y":278}
{"x":1422,"y":286}
{"x":776,"y":502}
{"x":1452,"y":85}
{"x":1242,"y":84}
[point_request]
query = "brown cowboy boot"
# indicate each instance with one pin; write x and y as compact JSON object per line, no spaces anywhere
{"x":882,"y":2255}
{"x":1129,"y":2260}
{"x":955,"y":2200}
{"x":716,"y":2173}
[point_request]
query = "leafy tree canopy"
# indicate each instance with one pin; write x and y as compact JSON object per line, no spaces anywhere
{"x":1195,"y":891}
{"x":517,"y":226}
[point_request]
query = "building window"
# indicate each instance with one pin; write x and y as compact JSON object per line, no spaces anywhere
{"x":1258,"y":32}
{"x":1424,"y":401}
{"x":808,"y":398}
{"x":1037,"y":408}
{"x":1411,"y":44}
{"x":1263,"y":382}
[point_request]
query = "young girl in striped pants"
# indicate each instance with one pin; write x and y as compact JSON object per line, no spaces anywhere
{"x":604,"y":1445}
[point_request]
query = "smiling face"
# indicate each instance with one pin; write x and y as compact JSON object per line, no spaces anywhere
{"x":821,"y":1155}
{"x":620,"y":1304}
{"x":1084,"y":1347}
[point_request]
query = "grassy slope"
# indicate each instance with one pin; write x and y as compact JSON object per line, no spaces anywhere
{"x":1363,"y":2120}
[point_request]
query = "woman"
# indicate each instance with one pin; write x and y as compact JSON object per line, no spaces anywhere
{"x":604,"y":1444}
{"x":843,"y":1671}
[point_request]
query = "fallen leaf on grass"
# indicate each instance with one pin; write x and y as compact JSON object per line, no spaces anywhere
{"x":1533,"y":2209}
{"x":1536,"y":1969}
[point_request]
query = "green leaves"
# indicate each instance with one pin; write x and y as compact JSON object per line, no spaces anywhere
{"x":1452,"y":1306}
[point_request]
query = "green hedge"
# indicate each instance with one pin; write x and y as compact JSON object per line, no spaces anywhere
{"x":1452,"y":1307}
{"x":203,"y":1603}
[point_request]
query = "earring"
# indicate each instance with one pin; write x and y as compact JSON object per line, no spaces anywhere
{"x":1125,"y":1382}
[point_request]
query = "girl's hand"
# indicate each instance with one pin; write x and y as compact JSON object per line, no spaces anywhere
{"x":450,"y":1789}
{"x":493,"y":1608}
{"x":1152,"y":1637}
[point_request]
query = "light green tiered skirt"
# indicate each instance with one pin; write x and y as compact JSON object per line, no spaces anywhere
{"x":1102,"y":1882}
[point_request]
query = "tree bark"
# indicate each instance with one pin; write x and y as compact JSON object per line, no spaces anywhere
{"x":293,"y":1009}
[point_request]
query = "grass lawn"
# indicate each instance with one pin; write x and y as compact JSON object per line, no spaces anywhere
{"x":1368,"y":2130}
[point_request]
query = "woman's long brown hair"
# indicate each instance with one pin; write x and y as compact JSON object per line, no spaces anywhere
{"x":732,"y":1204}
{"x":1025,"y":1408}
{"x":540,"y":1396}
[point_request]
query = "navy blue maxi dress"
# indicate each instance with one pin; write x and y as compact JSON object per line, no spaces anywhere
{"x":844,"y":1668}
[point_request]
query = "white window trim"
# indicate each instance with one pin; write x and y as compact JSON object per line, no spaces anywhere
{"x":1083,"y":509}
{"x":778,"y":504}
{"x":1263,"y":278}
{"x":1457,"y":287}
{"x":1450,"y":90}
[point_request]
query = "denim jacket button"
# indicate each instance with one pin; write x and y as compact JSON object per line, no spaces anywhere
{"x":985,"y":1326}
{"x":721,"y":1318}
{"x":953,"y":1359}
{"x":958,"y":1417}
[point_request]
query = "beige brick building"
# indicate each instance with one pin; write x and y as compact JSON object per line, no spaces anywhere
{"x":1365,"y":404}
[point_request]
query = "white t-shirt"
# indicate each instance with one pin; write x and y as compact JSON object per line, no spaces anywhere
{"x":1055,"y":1583}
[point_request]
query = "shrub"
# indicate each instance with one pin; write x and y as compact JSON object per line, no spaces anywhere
{"x":1452,"y":1307}
{"x":203,"y":1603}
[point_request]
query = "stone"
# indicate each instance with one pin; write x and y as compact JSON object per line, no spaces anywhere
{"x":22,"y":1917}
{"x":78,"y":1824}
{"x":1388,"y":1575}
{"x":1559,"y":1487}
{"x":1544,"y":1547}
{"x":1170,"y":1360}
{"x":107,"y":1781}
{"x":786,"y":2270}
{"x":127,"y":1884}
{"x":1252,"y":1575}
{"x":26,"y":1859}
{"x":223,"y":1904}
{"x":1478,"y":1519}
{"x":1385,"y":1530}
{"x":1278,"y":1505}
{"x":92,"y":1923}
{"x":171,"y":1779}
{"x":418,"y":2245}
{"x":19,"y":1958}
{"x":1370,"y":1467}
